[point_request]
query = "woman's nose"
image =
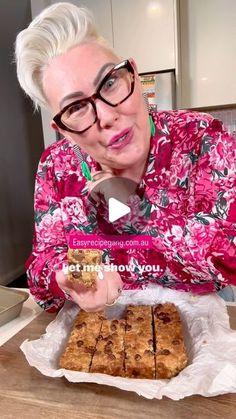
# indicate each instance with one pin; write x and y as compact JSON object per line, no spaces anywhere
{"x":106,"y":114}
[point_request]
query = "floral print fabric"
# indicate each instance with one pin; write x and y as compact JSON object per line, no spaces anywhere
{"x":190,"y":189}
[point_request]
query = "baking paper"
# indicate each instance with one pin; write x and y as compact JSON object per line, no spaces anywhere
{"x":211,"y":347}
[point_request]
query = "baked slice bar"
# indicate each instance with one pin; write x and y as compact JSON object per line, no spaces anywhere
{"x":81,"y":345}
{"x":170,"y":351}
{"x":147,"y":343}
{"x":81,"y":263}
{"x":139,"y":355}
{"x":109,"y":354}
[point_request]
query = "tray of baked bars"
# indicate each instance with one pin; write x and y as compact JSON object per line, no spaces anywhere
{"x":11,"y":303}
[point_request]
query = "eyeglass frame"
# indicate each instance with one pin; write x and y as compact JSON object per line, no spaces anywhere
{"x":91,"y":99}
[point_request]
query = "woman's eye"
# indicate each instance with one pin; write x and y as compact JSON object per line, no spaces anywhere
{"x":110,"y":83}
{"x":74,"y":108}
{"x":77,"y":110}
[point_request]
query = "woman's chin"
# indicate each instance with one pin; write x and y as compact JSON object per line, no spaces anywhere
{"x":127,"y":159}
{"x":125,"y":167}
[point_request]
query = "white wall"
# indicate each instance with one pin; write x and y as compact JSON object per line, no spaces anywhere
{"x":208,"y":52}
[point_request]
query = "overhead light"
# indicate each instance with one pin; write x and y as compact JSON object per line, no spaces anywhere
{"x":153,"y":7}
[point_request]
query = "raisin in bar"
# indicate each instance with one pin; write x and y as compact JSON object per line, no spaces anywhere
{"x":86,"y":260}
{"x":139,"y":355}
{"x":170,"y":355}
{"x":82,"y":342}
{"x":109,"y":354}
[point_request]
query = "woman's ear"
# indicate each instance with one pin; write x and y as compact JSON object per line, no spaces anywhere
{"x":54,"y":126}
{"x":63,"y":133}
{"x":133,"y":63}
{"x":60,"y":133}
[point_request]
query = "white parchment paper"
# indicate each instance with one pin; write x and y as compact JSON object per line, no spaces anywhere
{"x":210,"y":342}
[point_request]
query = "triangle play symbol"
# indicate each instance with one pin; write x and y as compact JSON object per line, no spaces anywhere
{"x":116,"y":209}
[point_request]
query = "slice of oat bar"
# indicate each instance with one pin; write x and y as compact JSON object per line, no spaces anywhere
{"x":139,"y":355}
{"x":85,"y":259}
{"x":81,"y":345}
{"x":109,"y":354}
{"x":171,"y":355}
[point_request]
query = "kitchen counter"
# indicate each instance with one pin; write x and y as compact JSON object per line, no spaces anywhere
{"x":25,"y":393}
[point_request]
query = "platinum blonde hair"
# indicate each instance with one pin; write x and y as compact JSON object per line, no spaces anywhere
{"x":54,"y":31}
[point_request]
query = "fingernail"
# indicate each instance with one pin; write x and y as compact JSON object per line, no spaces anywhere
{"x":100,"y":275}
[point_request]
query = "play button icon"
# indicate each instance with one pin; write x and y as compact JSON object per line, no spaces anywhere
{"x":116,"y":209}
{"x":110,"y":200}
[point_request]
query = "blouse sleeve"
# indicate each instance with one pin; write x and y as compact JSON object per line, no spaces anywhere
{"x":203,"y":242}
{"x":49,"y":242}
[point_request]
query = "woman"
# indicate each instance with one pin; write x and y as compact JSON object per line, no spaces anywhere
{"x":184,"y":161}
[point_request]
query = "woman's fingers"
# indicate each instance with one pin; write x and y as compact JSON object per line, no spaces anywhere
{"x":114,"y":287}
{"x":95,"y":300}
{"x":67,"y":285}
{"x":106,"y":291}
{"x":98,"y":177}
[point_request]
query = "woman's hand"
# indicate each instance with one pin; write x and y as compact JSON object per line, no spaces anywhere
{"x":107,"y":290}
{"x":115,"y":186}
{"x":96,"y":187}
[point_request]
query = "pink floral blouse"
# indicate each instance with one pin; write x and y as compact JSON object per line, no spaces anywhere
{"x":190,"y":185}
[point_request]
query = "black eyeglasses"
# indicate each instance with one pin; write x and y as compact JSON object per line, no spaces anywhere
{"x":115,"y":88}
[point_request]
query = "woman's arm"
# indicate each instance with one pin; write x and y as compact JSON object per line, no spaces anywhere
{"x":49,"y":242}
{"x":48,"y":283}
{"x":202,"y":243}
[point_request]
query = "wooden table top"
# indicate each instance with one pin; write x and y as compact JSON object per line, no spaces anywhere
{"x":27,"y":394}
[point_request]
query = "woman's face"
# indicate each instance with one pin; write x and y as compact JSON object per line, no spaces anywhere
{"x":76,"y":74}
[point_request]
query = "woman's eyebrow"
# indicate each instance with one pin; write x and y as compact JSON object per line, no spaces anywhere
{"x":73,"y":95}
{"x":100,"y":72}
{"x":95,"y":83}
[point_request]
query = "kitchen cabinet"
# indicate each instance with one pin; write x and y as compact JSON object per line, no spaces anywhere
{"x":207,"y":47}
{"x":146,"y":31}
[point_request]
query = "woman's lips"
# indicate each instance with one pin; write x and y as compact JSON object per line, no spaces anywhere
{"x":121,"y":140}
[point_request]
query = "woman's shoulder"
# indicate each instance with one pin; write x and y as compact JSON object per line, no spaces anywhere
{"x":182,"y":118}
{"x":58,"y":158}
{"x":57,"y":148}
{"x":184,"y":130}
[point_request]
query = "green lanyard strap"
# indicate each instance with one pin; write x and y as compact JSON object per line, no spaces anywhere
{"x":152,"y":126}
{"x":84,"y":166}
{"x":86,"y":171}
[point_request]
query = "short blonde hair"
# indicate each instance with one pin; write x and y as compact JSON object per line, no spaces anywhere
{"x":54,"y":31}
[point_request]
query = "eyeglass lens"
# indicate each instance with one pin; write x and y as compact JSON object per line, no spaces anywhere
{"x":114,"y":90}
